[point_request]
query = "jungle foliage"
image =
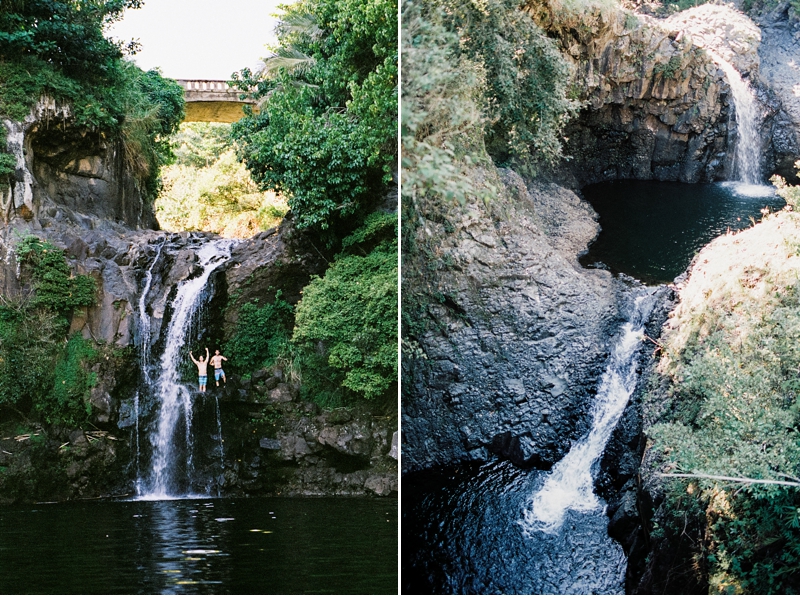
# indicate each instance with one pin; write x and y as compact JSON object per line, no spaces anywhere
{"x":479,"y":78}
{"x":43,"y":373}
{"x":732,"y":361}
{"x":325,"y":136}
{"x":208,"y":189}
{"x":346,"y":322}
{"x":261,"y":334}
{"x":57,"y":49}
{"x":67,"y":34}
{"x":340,"y":341}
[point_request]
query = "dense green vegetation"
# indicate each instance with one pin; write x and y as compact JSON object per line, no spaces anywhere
{"x":8,"y":163}
{"x":261,"y":334}
{"x":54,"y":287}
{"x":325,"y":139}
{"x":67,"y":34}
{"x":478,"y":79}
{"x":43,"y":374}
{"x":57,"y":49}
{"x":340,"y":340}
{"x":732,"y":361}
{"x":325,"y":136}
{"x":207,"y":188}
{"x":351,"y":314}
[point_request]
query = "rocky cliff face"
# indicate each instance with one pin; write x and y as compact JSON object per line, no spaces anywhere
{"x":658,"y":106}
{"x":780,"y":74}
{"x":69,"y":174}
{"x":293,"y":448}
{"x":517,"y":331}
{"x":653,"y":108}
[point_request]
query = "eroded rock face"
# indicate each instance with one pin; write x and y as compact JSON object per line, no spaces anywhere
{"x":518,"y":333}
{"x":659,"y":107}
{"x":656,"y":106}
{"x":306,"y":452}
{"x":780,"y":71}
{"x":723,"y":30}
{"x":69,"y":174}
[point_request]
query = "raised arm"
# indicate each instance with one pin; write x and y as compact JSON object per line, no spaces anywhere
{"x":192,"y":357}
{"x":206,"y":354}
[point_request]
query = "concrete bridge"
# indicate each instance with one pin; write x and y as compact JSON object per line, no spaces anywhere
{"x":212,"y":101}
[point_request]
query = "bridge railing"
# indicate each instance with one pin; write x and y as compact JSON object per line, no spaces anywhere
{"x":205,"y":85}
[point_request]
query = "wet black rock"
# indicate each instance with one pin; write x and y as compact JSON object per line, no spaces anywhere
{"x":514,"y":334}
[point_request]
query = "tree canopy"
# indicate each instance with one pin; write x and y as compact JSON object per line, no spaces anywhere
{"x":325,"y":136}
{"x":65,"y":33}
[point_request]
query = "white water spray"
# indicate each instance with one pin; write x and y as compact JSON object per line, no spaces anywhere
{"x":176,"y":399}
{"x":144,"y":319}
{"x":570,"y":485}
{"x":748,"y":121}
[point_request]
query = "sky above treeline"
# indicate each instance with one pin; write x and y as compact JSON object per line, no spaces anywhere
{"x":200,"y":39}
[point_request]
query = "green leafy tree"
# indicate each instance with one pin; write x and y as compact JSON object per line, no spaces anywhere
{"x":65,"y":33}
{"x":325,"y":136}
{"x":346,"y":323}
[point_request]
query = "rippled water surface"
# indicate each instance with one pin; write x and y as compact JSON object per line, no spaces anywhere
{"x":463,"y":534}
{"x":652,"y":230}
{"x":201,"y":546}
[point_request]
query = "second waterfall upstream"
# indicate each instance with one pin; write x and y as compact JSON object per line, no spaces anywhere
{"x":172,"y":440}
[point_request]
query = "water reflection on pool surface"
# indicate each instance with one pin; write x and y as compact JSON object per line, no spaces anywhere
{"x":201,"y":546}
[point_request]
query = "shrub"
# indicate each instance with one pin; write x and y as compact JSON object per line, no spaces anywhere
{"x":260,"y":335}
{"x":55,"y":287}
{"x":68,"y":401}
{"x":30,"y":344}
{"x":442,"y":109}
{"x":346,"y":324}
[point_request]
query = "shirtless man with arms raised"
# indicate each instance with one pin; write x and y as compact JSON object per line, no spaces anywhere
{"x":216,"y":361}
{"x":202,"y":370}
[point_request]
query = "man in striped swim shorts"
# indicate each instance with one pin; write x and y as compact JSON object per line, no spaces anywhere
{"x":202,"y":370}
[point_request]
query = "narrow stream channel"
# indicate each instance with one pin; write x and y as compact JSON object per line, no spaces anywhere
{"x":496,"y":528}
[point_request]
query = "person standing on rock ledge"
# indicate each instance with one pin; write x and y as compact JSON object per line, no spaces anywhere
{"x":216,"y":361}
{"x":202,"y":370}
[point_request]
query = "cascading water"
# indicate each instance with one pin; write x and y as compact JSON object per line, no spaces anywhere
{"x":748,"y":146}
{"x":463,"y":527}
{"x":570,"y":485}
{"x":144,"y":352}
{"x":144,"y":319}
{"x":172,"y":438}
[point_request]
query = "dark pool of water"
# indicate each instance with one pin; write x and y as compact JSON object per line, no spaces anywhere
{"x":201,"y":546}
{"x":651,"y":230}
{"x":461,"y":535}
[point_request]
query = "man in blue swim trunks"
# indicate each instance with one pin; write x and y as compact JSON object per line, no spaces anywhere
{"x":202,"y":370}
{"x":216,"y":361}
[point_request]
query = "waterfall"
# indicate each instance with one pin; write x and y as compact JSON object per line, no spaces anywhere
{"x":174,"y":419}
{"x":138,"y":483}
{"x":570,"y":485}
{"x":220,"y":446}
{"x":748,"y":120}
{"x":144,"y":319}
